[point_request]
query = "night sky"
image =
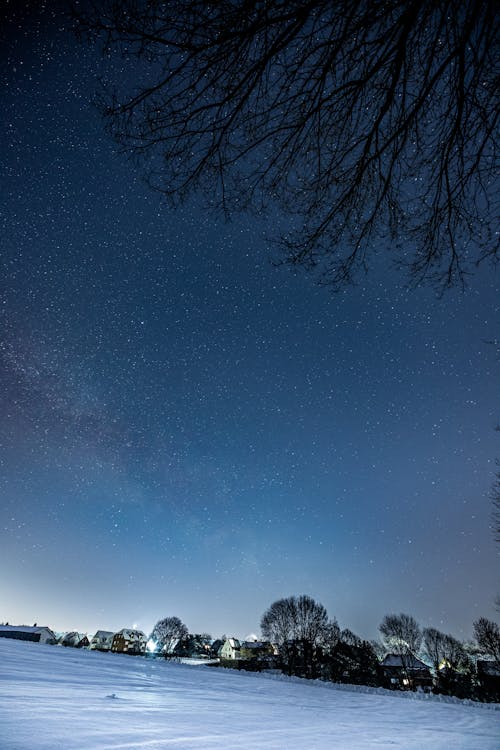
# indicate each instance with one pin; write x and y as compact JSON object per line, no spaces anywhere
{"x":187,"y":430}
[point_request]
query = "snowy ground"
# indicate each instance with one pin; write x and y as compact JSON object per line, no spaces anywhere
{"x":63,"y":699}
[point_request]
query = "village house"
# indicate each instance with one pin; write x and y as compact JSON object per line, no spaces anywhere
{"x":74,"y":639}
{"x":128,"y":641}
{"x":256,"y":649}
{"x":102,"y":640}
{"x":215,"y":647}
{"x":407,"y":674}
{"x":246,"y":651}
{"x":231,"y":649}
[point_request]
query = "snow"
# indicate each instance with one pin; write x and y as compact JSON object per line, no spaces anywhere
{"x":53,"y":697}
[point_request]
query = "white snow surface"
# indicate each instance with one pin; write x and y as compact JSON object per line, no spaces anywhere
{"x":54,"y":698}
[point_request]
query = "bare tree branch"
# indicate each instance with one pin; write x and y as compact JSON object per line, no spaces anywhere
{"x":373,"y":124}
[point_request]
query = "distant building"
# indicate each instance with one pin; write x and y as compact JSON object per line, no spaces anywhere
{"x":408,"y":673}
{"x":26,"y":633}
{"x":215,"y":647}
{"x":231,"y":649}
{"x":256,"y":649}
{"x":128,"y":641}
{"x":74,"y":639}
{"x":102,"y":641}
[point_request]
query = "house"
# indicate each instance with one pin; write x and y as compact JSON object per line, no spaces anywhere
{"x":215,"y":647}
{"x":405,"y":673}
{"x":74,"y":639}
{"x":101,"y":641}
{"x":26,"y":633}
{"x":256,"y":650}
{"x":231,"y":649}
{"x":128,"y":641}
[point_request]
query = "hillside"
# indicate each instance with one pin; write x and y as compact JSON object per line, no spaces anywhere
{"x":53,"y":698}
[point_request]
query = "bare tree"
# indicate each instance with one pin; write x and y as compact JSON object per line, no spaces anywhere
{"x":487,"y":635}
{"x":298,"y":625}
{"x":278,"y":622}
{"x":401,"y":632}
{"x":347,"y":636}
{"x":330,"y":636}
{"x":167,"y":632}
{"x":434,"y":647}
{"x":447,"y":655}
{"x":457,"y":678}
{"x":352,"y":660}
{"x":296,"y":618}
{"x":311,"y":620}
{"x":455,"y":655}
{"x":402,"y":635}
{"x":372,"y":123}
{"x":379,"y":649}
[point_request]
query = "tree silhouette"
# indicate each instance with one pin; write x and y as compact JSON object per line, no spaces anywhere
{"x":450,"y":661}
{"x":167,"y":632}
{"x":487,"y":635}
{"x":372,"y":123}
{"x":402,"y":635}
{"x":298,"y":625}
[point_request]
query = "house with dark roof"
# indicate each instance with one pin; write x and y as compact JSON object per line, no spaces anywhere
{"x":215,"y":647}
{"x":256,"y":649}
{"x":405,"y":673}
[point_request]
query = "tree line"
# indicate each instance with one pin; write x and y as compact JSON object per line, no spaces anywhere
{"x":311,"y":645}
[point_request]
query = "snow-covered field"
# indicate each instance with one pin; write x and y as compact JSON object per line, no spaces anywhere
{"x":63,"y":699}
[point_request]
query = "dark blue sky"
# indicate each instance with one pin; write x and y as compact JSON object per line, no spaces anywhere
{"x":187,"y":430}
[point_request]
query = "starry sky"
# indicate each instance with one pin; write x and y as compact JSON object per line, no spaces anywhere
{"x":187,"y":430}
